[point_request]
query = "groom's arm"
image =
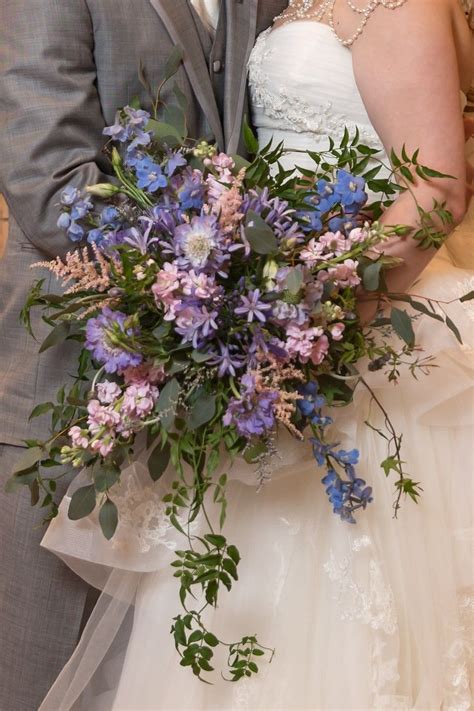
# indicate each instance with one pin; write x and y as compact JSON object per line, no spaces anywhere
{"x":50,"y":115}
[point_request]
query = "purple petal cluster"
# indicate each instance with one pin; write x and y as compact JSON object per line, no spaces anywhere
{"x":253,"y":413}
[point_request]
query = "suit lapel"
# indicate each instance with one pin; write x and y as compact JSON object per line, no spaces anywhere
{"x":179,"y":22}
{"x":241,"y":22}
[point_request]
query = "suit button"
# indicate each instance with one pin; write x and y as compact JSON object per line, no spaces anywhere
{"x":217,"y":66}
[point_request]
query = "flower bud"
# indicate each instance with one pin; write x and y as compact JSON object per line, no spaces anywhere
{"x":103,"y":190}
{"x":116,"y":159}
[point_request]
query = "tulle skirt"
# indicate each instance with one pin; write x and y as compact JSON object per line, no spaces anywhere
{"x":368,"y":616}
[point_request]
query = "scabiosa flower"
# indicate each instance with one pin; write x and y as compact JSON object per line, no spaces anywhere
{"x":252,"y":414}
{"x":196,"y":240}
{"x":102,"y":340}
{"x":150,"y":176}
{"x":252,"y":307}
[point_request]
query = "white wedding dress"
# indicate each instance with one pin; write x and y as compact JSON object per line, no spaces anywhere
{"x":372,"y":616}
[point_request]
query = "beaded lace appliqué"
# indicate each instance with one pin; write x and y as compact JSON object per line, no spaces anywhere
{"x":294,"y":111}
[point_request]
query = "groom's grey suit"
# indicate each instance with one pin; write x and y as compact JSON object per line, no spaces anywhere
{"x":65,"y":67}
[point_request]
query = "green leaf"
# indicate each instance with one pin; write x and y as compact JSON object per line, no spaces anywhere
{"x":34,"y":492}
{"x":82,"y":503}
{"x":41,"y":410}
{"x":174,"y":116}
{"x":159,"y":460}
{"x":250,"y":140}
{"x":390,"y":464}
{"x":467,"y":297}
{"x":233,"y":553}
{"x":215,"y":540}
{"x":452,"y":327}
{"x":402,"y":325}
{"x":294,"y":281}
{"x":162,"y":130}
{"x":168,"y":402}
{"x":108,"y":519}
{"x":260,"y":235}
{"x":211,"y":639}
{"x":56,"y":336}
{"x":202,"y":410}
{"x":252,"y":453}
{"x":30,"y":458}
{"x":406,"y":172}
{"x":371,"y":276}
{"x":173,"y":62}
{"x":230,"y":567}
{"x":199,"y":357}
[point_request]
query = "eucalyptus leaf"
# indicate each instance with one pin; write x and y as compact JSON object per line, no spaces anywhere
{"x":105,"y":475}
{"x":162,"y":130}
{"x":202,"y":410}
{"x":402,"y":325}
{"x":41,"y":410}
{"x":159,"y":460}
{"x":82,"y":503}
{"x":260,"y":235}
{"x":173,"y":62}
{"x":371,"y":276}
{"x":294,"y":281}
{"x":168,"y":402}
{"x":108,"y":519}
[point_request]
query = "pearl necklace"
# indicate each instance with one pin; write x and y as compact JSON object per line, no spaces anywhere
{"x":306,"y":10}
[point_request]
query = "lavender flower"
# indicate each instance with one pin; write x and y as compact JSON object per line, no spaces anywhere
{"x":252,"y":414}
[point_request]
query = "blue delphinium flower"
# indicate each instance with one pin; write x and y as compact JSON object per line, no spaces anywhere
{"x":75,"y":232}
{"x":70,"y":195}
{"x":118,"y":131}
{"x":192,"y":191}
{"x":150,"y":176}
{"x":175,"y":160}
{"x":348,"y":494}
{"x":351,"y":191}
{"x":102,"y":334}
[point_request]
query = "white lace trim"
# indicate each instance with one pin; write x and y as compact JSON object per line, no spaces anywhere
{"x":295,"y":111}
{"x":373,"y":606}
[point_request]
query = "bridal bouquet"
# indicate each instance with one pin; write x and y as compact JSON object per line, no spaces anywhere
{"x":215,"y":301}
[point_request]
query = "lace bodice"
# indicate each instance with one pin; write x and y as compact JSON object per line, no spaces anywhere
{"x":303,"y":88}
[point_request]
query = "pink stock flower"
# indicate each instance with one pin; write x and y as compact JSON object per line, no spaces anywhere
{"x":300,"y":342}
{"x":144,"y":372}
{"x":108,"y":392}
{"x":358,"y":234}
{"x":320,"y":350}
{"x":167,"y":281}
{"x":139,"y":400}
{"x":334,"y":242}
{"x":345,"y":274}
{"x":312,"y":253}
{"x":103,"y":445}
{"x":199,"y":285}
{"x":337,"y":330}
{"x":100,"y":416}
{"x":78,"y":437}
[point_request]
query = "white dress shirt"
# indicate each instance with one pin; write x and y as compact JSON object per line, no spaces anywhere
{"x":208,"y":11}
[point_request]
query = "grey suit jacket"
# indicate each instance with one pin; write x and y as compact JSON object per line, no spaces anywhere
{"x":65,"y":68}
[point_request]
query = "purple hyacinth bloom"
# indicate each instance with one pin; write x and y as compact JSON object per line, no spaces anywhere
{"x":100,"y":341}
{"x":81,"y":208}
{"x":136,"y":118}
{"x":252,"y":306}
{"x":227,"y":360}
{"x":252,"y":414}
{"x":150,"y":176}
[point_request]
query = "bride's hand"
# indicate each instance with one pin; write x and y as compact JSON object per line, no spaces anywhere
{"x":469,"y":133}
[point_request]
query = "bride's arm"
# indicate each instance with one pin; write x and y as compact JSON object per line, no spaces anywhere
{"x":407,"y":68}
